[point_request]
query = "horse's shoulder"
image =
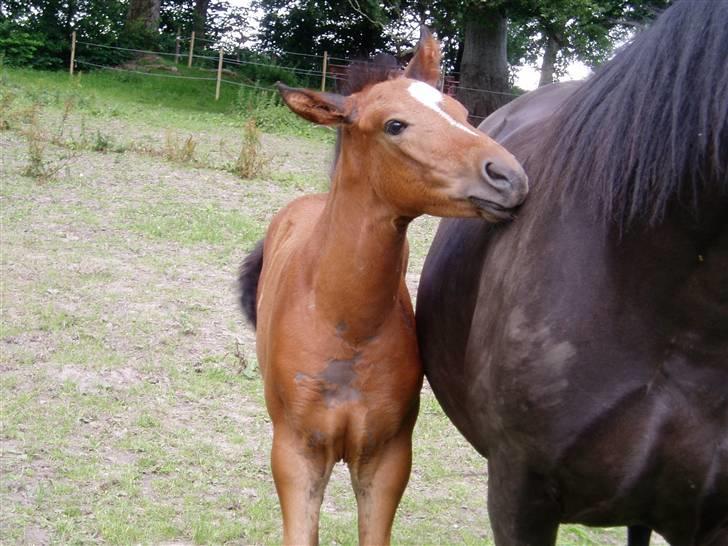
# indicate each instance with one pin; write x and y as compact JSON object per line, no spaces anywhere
{"x":299,"y":215}
{"x":528,"y":109}
{"x":288,"y":232}
{"x":302,"y":207}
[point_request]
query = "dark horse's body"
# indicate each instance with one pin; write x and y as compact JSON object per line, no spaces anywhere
{"x":583,"y":349}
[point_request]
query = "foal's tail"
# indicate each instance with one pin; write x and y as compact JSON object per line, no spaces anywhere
{"x":248,"y":279}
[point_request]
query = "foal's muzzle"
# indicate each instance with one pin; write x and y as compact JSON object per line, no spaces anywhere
{"x":508,"y":179}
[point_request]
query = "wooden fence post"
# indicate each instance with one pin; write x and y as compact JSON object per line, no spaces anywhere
{"x":323,"y":75}
{"x":192,"y":48}
{"x":73,"y":52}
{"x":219,"y":76}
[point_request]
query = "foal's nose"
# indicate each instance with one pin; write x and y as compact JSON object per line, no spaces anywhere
{"x":508,"y":178}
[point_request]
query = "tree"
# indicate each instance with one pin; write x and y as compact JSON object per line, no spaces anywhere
{"x":557,"y":31}
{"x":474,"y":37}
{"x":144,"y":13}
{"x":201,"y":17}
{"x":38,"y":32}
{"x":563,"y":31}
{"x":484,"y":85}
{"x":315,"y":26}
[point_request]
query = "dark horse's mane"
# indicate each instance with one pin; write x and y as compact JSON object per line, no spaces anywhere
{"x":651,"y":127}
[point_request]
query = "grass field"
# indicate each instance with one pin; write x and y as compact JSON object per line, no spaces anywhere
{"x":132,"y":410}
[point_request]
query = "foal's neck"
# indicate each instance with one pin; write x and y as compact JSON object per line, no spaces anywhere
{"x":362,"y":258}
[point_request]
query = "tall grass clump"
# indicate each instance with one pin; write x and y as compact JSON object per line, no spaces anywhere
{"x":177,"y":149}
{"x":7,"y":98}
{"x":250,"y":162}
{"x":39,"y":166}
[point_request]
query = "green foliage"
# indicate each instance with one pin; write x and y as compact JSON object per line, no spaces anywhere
{"x":315,"y":26}
{"x":580,"y":30}
{"x":17,"y":46}
{"x":37,"y":32}
{"x":263,"y":70}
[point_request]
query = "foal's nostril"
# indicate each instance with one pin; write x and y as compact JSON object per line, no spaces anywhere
{"x":500,"y":177}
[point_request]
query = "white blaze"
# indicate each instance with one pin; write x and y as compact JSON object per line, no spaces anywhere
{"x":432,"y":98}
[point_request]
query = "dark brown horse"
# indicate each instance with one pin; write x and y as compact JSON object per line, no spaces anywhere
{"x":583,"y":348}
{"x":335,"y":328}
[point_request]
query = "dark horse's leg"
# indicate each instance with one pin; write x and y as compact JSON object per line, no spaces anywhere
{"x":638,"y":535}
{"x":521,"y":505}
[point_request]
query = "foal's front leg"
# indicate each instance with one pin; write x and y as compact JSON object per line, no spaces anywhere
{"x":301,"y":473}
{"x":379,"y":481}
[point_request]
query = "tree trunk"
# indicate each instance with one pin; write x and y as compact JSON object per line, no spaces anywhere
{"x":549,"y":61}
{"x":71,"y":9}
{"x":459,"y":58}
{"x":200,"y":17}
{"x":484,"y":83}
{"x":145,"y":12}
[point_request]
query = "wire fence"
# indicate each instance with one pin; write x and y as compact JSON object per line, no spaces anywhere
{"x":329,"y":73}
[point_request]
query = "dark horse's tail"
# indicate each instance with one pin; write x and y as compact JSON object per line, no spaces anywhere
{"x":248,"y":280}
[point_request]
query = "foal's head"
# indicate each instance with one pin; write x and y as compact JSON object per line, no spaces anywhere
{"x":414,"y":146}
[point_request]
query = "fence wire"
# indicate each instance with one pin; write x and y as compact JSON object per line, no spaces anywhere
{"x":236,"y":62}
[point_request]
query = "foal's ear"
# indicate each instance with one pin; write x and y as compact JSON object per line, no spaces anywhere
{"x":321,"y":108}
{"x":425,"y":65}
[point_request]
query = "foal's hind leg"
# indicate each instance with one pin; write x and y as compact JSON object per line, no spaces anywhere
{"x":301,"y":473}
{"x":379,"y":481}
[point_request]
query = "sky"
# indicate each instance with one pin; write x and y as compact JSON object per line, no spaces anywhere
{"x":526,"y":77}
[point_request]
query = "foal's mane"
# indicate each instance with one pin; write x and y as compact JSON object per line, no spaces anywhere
{"x":651,"y":127}
{"x":362,"y":74}
{"x":359,"y":76}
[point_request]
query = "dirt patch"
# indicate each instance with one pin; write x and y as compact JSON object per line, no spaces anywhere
{"x":88,"y":381}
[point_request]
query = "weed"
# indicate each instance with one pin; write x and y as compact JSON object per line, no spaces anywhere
{"x":36,"y":167}
{"x":39,"y":166}
{"x":250,"y":162}
{"x":102,"y":143}
{"x":247,"y":367}
{"x":7,"y":98}
{"x":68,"y":107}
{"x":176,"y":149}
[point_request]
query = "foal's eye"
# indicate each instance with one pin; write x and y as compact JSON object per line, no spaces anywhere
{"x":394,"y":127}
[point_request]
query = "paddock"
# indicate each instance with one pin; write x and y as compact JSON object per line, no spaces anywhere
{"x":132,"y":409}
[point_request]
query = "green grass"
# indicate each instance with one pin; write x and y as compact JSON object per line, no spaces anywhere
{"x":302,"y":182}
{"x":154,"y":100}
{"x":187,"y":224}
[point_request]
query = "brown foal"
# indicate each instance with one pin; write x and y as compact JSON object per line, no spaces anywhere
{"x":335,"y":329}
